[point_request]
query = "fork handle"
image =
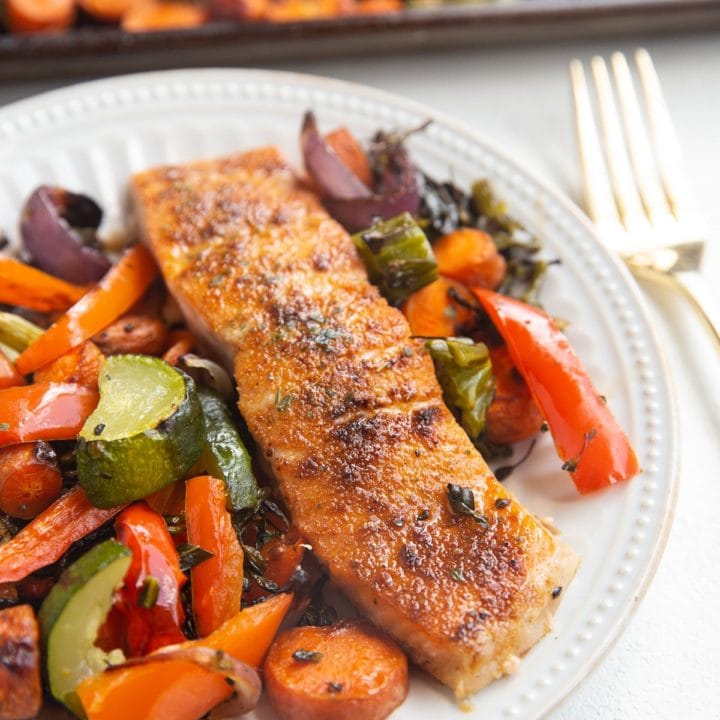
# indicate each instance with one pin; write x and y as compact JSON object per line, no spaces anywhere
{"x":696,"y":288}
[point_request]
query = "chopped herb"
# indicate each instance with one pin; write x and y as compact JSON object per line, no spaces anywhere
{"x":504,"y":472}
{"x":4,"y":427}
{"x":502,"y":503}
{"x":334,"y":687}
{"x":282,"y":403}
{"x":407,"y":351}
{"x":175,"y":524}
{"x":267,"y":584}
{"x":545,"y":427}
{"x":217,"y":279}
{"x":254,"y":559}
{"x":571,"y":464}
{"x":128,"y":327}
{"x":457,"y":574}
{"x":98,"y":429}
{"x":462,"y":502}
{"x":192,"y":555}
{"x":556,"y":592}
{"x":307,"y":656}
{"x":316,"y":317}
{"x":149,"y":593}
{"x":325,"y":336}
{"x":423,"y":515}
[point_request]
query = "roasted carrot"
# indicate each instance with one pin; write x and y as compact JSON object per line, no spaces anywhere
{"x":432,"y":311}
{"x":216,"y":583}
{"x":9,"y":376}
{"x":29,"y":16}
{"x":111,"y":10}
{"x":351,"y":153}
{"x":43,"y":540}
{"x":289,"y":10}
{"x":339,"y":672}
{"x":152,"y":15}
{"x":283,"y":556}
{"x":44,"y":411}
{"x":180,"y":342}
{"x":512,"y":415}
{"x":121,"y":287}
{"x":28,"y":287}
{"x":133,"y":333}
{"x":169,"y":500}
{"x":183,"y":691}
{"x":471,"y":257}
{"x":30,"y":479}
{"x":80,"y":365}
{"x":20,"y":688}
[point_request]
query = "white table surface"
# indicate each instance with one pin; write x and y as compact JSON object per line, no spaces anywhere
{"x":665,"y":664}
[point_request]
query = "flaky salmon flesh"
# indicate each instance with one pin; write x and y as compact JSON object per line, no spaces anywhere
{"x":349,"y":417}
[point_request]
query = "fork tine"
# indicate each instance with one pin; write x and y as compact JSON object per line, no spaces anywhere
{"x":667,"y":146}
{"x":651,"y":192}
{"x":626,"y":193}
{"x":598,"y":193}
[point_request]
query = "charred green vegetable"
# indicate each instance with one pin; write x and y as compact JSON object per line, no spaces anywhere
{"x":398,"y":257}
{"x":465,"y":374}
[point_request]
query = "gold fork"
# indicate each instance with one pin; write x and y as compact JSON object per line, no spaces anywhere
{"x":642,"y":207}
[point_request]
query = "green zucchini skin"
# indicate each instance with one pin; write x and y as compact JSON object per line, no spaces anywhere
{"x":117,"y":471}
{"x":72,"y":614}
{"x":225,"y":455}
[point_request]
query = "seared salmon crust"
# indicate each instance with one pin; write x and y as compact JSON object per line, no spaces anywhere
{"x":349,"y":417}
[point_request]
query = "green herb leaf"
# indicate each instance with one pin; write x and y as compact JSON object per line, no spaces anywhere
{"x":307,"y":656}
{"x":462,"y":502}
{"x":4,"y":427}
{"x":457,"y":574}
{"x":149,"y":593}
{"x":192,"y":555}
{"x":465,"y":373}
{"x":282,"y":403}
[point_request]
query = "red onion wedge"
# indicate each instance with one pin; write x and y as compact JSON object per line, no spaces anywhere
{"x":357,"y":214}
{"x":330,"y":174}
{"x":55,"y":226}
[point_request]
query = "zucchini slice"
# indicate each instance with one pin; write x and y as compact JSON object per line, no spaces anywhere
{"x":225,"y":456}
{"x":72,"y":614}
{"x":146,"y":432}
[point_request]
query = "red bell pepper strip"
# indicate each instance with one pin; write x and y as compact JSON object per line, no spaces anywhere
{"x":217,"y":583}
{"x":123,"y":285}
{"x":44,"y":540}
{"x":594,"y":449}
{"x":44,"y":411}
{"x":9,"y":376}
{"x":150,"y":601}
{"x":28,"y":287}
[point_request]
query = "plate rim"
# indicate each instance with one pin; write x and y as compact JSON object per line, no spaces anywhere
{"x":458,"y":128}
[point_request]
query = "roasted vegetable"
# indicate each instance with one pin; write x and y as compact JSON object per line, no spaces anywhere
{"x":441,"y":309}
{"x":46,"y":538}
{"x":123,"y":285}
{"x":72,"y":614}
{"x":30,"y":479}
{"x":224,"y":455}
{"x":594,"y":449}
{"x":80,"y":365}
{"x":149,"y":601}
{"x":44,"y":411}
{"x":30,"y":16}
{"x":133,"y":333}
{"x":345,"y":145}
{"x":338,"y":672}
{"x":146,"y":432}
{"x":17,"y":332}
{"x":9,"y":376}
{"x":58,"y":229}
{"x":398,"y":257}
{"x":471,"y":257}
{"x":464,"y":371}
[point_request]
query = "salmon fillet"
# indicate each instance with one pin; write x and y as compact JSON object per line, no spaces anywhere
{"x":349,"y":417}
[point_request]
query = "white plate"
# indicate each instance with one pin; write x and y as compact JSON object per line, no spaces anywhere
{"x":91,"y":137}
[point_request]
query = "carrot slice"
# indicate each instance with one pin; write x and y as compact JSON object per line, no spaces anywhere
{"x":123,"y":285}
{"x":148,"y":16}
{"x":28,"y":16}
{"x":44,"y":411}
{"x":80,"y":365}
{"x":471,"y":257}
{"x":9,"y":376}
{"x":183,"y":691}
{"x":43,"y":541}
{"x":217,"y":583}
{"x":432,"y":311}
{"x":180,"y":342}
{"x":351,"y":153}
{"x":30,"y":479}
{"x":34,"y":289}
{"x":111,"y":10}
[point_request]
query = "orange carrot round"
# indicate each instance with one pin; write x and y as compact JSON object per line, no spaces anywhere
{"x":216,"y":583}
{"x":110,"y":10}
{"x":338,"y":672}
{"x":80,"y":365}
{"x":28,"y":16}
{"x":30,"y":479}
{"x":149,"y":15}
{"x":470,"y":256}
{"x":432,"y":311}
